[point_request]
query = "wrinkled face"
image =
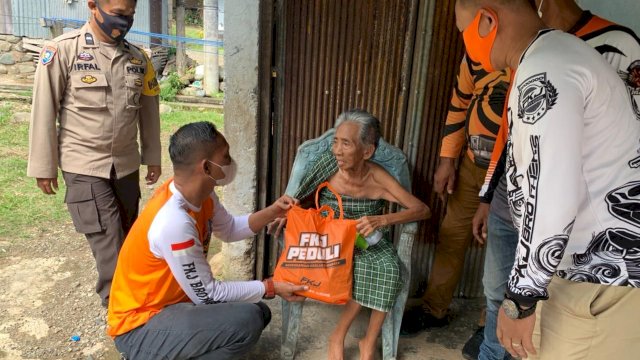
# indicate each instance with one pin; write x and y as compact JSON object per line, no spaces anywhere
{"x":347,"y":149}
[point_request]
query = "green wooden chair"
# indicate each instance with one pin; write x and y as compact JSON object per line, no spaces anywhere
{"x":395,"y":162}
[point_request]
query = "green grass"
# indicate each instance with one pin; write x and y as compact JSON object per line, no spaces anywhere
{"x":194,"y":32}
{"x":24,"y":209}
{"x":173,"y":120}
{"x":25,"y":212}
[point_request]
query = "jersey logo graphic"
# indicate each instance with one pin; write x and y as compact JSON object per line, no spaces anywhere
{"x":631,"y":77}
{"x":138,"y":82}
{"x":184,"y":248}
{"x":88,"y":39}
{"x":613,"y":255}
{"x":88,"y":79}
{"x":85,"y":56}
{"x":537,"y":96}
{"x":47,"y":55}
{"x":624,"y":203}
{"x":135,"y":61}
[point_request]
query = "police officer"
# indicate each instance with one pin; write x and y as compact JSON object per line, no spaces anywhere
{"x":93,"y":93}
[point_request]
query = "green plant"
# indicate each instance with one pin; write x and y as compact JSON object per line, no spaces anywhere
{"x":193,"y":17}
{"x":170,"y":86}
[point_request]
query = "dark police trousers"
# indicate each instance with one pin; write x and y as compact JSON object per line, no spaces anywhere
{"x":103,"y":210}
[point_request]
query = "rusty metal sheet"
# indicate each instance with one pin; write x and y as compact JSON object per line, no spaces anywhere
{"x":338,"y":55}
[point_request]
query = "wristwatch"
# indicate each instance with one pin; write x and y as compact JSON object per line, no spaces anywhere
{"x":513,"y":310}
{"x":269,"y":289}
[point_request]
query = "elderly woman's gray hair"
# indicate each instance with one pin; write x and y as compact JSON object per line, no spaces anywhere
{"x":369,"y":125}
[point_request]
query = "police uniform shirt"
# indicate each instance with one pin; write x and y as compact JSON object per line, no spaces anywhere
{"x":102,"y":95}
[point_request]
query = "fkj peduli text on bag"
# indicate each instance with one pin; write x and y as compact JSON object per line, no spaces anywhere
{"x":318,"y":252}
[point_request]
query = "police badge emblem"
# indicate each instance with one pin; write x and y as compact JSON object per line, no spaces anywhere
{"x":85,"y":56}
{"x":47,"y":55}
{"x":88,"y":79}
{"x":537,"y":96}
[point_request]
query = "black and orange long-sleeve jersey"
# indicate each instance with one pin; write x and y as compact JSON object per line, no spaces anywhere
{"x":475,"y":112}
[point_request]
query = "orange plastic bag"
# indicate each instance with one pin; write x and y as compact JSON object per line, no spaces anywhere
{"x":318,"y":252}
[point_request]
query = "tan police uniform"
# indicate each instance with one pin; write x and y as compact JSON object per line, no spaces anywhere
{"x":90,"y":101}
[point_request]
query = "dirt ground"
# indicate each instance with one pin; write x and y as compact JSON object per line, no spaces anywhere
{"x":47,"y":297}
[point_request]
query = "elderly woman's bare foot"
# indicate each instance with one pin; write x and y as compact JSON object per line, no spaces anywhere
{"x":336,"y":347}
{"x":367,"y":349}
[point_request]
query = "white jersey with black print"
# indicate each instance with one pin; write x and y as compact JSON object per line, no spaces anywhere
{"x":173,"y":237}
{"x":621,"y":47}
{"x":573,"y":190}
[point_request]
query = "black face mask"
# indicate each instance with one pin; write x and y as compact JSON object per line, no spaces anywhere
{"x":114,"y":22}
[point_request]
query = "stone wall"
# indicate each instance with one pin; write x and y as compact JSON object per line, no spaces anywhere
{"x":14,"y":59}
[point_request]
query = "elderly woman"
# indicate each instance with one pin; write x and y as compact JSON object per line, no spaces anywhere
{"x":366,"y":189}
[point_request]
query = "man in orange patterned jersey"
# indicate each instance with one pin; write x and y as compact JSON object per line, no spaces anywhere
{"x":471,"y":126}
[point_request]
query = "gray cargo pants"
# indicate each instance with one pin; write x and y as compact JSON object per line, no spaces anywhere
{"x":103,"y":210}
{"x":187,"y":331}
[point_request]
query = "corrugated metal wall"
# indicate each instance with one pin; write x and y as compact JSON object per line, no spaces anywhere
{"x":27,"y":13}
{"x":341,"y":54}
{"x":439,"y":50}
{"x":395,"y":58}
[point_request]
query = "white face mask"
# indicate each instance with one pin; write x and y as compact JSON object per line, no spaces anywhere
{"x":229,"y":172}
{"x":540,"y":9}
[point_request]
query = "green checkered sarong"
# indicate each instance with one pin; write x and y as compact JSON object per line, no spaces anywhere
{"x":376,"y":270}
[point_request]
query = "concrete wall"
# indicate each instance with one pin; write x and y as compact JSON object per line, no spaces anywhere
{"x":14,"y":60}
{"x":241,"y":126}
{"x":624,"y":12}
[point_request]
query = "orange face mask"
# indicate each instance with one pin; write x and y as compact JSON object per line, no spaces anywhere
{"x":478,"y":47}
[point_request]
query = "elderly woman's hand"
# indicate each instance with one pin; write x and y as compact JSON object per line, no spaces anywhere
{"x":275,"y":227}
{"x":368,"y":224}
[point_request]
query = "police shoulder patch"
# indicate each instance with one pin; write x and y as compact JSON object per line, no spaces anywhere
{"x":48,"y":54}
{"x":536,"y":96}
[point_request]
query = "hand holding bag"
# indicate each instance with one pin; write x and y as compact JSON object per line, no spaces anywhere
{"x":318,"y":252}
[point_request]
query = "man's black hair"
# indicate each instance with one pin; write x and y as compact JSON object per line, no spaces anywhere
{"x":193,"y":142}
